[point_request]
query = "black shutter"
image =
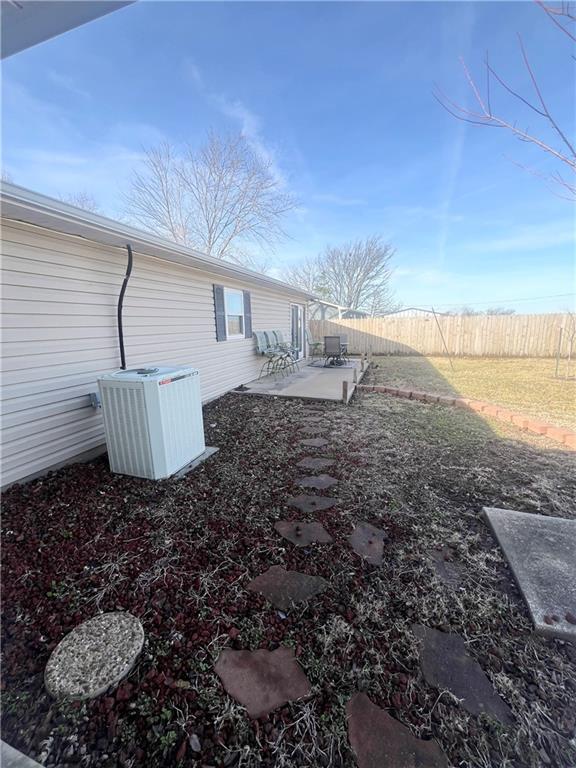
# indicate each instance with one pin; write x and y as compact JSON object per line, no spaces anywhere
{"x":247,"y":315}
{"x":220,"y":312}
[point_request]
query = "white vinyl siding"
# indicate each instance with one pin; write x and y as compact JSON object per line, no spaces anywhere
{"x":60,"y":296}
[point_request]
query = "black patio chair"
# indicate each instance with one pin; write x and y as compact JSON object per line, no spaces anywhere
{"x":332,"y":351}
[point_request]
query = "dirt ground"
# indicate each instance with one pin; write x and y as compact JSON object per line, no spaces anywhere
{"x":524,"y":384}
{"x":179,"y":554}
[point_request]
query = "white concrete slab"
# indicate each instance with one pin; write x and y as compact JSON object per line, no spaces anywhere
{"x":541,"y":552}
{"x":311,"y":381}
{"x":11,"y":758}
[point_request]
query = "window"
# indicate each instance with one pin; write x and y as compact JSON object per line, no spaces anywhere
{"x":234,"y":306}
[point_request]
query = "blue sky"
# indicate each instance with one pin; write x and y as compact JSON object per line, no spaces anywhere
{"x":339,"y":95}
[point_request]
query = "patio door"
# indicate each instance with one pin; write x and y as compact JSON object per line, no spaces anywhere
{"x":297,"y":324}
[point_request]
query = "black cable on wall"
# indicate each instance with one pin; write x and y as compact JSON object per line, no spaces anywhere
{"x":120,"y":304}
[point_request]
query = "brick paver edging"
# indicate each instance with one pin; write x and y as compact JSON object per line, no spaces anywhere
{"x":560,"y":434}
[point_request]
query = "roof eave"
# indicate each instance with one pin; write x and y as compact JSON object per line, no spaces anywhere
{"x":21,"y":204}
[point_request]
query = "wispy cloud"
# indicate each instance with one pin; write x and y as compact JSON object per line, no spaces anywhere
{"x":67,"y":83}
{"x":528,"y":238}
{"x":249,"y":122}
{"x":425,"y":276}
{"x":338,"y":200}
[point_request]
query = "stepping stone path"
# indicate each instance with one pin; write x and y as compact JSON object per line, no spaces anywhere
{"x":312,"y":429}
{"x":311,"y":503}
{"x":94,"y":656}
{"x":262,"y":680}
{"x":284,"y":588}
{"x":303,"y":534}
{"x":314,"y":442}
{"x":368,"y":542}
{"x":446,"y":665}
{"x":380,"y":741}
{"x":316,"y":462}
{"x":320,"y":482}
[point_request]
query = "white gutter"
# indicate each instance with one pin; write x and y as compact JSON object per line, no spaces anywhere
{"x":20,"y":204}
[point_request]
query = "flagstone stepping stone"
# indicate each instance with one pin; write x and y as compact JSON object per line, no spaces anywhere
{"x":262,"y":680}
{"x":313,"y":419}
{"x":303,"y":534}
{"x":316,"y":462}
{"x":284,"y":588}
{"x":314,"y":442}
{"x":94,"y":656}
{"x":448,"y":572}
{"x":311,"y":503}
{"x":312,"y":429}
{"x":368,"y":542}
{"x":381,"y":741}
{"x":446,"y":665}
{"x":320,"y":482}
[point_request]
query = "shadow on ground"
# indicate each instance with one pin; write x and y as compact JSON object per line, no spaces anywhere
{"x":179,"y":554}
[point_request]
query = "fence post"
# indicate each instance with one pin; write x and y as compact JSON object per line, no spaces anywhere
{"x":345,"y":391}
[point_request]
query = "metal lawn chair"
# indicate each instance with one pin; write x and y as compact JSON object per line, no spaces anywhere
{"x":344,"y":347}
{"x":284,"y":359}
{"x":275,"y":359}
{"x":288,"y":348}
{"x":314,"y":346}
{"x":332,"y":351}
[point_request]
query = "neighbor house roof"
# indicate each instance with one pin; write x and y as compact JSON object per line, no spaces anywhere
{"x":22,"y":204}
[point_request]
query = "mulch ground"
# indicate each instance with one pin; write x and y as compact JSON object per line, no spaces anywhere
{"x":180,"y":554}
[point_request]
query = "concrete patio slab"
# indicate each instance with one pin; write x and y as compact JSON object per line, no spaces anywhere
{"x":541,"y":552}
{"x":311,"y":382}
{"x":12,"y":758}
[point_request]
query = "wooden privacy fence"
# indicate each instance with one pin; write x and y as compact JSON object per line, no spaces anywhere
{"x":475,"y":335}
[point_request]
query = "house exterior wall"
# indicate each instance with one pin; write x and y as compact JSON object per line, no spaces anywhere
{"x":60,"y":298}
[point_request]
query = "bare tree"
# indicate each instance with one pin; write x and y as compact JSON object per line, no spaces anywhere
{"x":308,"y":276}
{"x":218,"y":199}
{"x":82,"y":200}
{"x":562,"y":151}
{"x":355,"y":275}
{"x":471,"y":312}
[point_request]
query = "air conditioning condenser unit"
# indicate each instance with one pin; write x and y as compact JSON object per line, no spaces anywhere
{"x":153,"y":420}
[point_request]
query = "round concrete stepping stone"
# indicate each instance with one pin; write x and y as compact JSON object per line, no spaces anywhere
{"x":303,"y":534}
{"x":446,"y":665}
{"x":320,"y":482}
{"x":314,"y":442}
{"x":311,"y":503}
{"x":284,"y":588}
{"x":380,"y":741}
{"x":316,"y":462}
{"x":368,"y":542}
{"x":94,"y":656}
{"x":262,"y":680}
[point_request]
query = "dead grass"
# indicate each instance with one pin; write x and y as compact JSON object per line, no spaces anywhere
{"x":179,"y":554}
{"x":524,"y":384}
